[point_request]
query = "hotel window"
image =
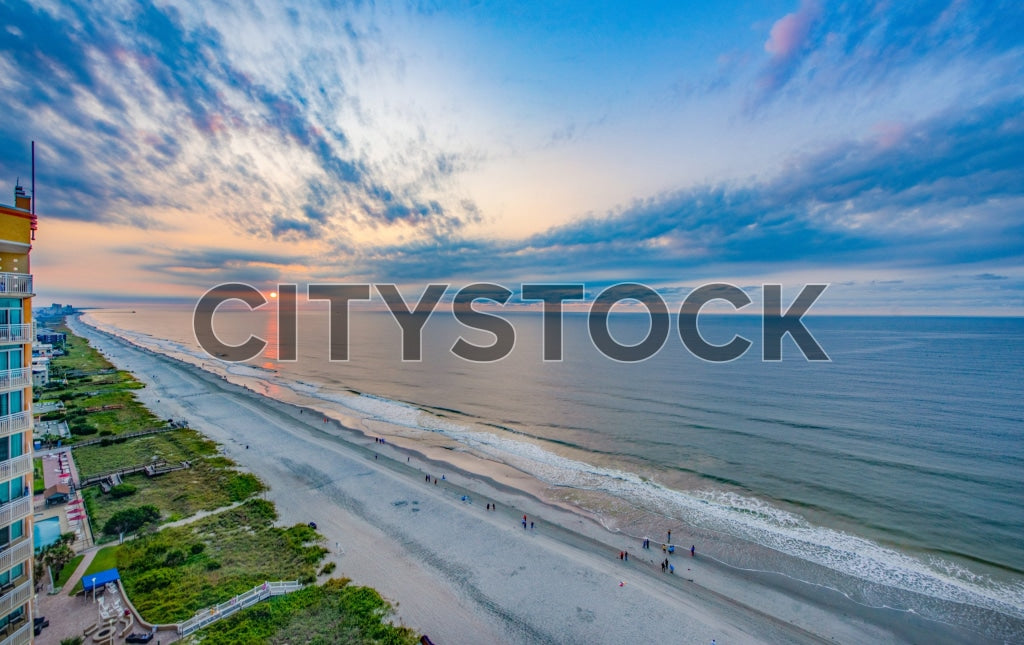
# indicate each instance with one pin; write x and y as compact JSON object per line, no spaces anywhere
{"x":12,"y":359}
{"x":12,"y":574}
{"x":11,"y":311}
{"x":12,"y":446}
{"x":11,"y":490}
{"x":10,"y":402}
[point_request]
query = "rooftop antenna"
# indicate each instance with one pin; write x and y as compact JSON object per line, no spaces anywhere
{"x":33,"y":177}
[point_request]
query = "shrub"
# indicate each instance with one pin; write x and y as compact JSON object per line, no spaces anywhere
{"x":243,"y":486}
{"x":122,"y":490}
{"x":82,"y":429}
{"x":329,"y":568}
{"x":130,"y":520}
{"x":197,"y":548}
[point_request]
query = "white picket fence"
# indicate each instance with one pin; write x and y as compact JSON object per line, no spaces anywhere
{"x":249,"y":598}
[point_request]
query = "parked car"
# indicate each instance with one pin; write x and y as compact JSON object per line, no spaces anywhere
{"x":139,"y":638}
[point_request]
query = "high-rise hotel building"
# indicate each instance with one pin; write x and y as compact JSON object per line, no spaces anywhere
{"x":17,"y":229}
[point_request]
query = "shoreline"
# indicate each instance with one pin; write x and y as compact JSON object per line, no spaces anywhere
{"x":713,"y":599}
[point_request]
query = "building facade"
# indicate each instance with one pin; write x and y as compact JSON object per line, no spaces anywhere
{"x":17,"y":230}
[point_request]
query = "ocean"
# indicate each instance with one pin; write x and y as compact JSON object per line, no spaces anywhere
{"x":893,"y":473}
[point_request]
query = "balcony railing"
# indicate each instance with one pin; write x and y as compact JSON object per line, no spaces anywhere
{"x":15,"y":422}
{"x":16,"y":554}
{"x":16,"y":284}
{"x":16,"y":467}
{"x":16,"y":597}
{"x":15,"y":379}
{"x":20,"y":636}
{"x":15,"y":510}
{"x":24,"y":333}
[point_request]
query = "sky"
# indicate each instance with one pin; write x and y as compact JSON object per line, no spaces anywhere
{"x":876,"y":147}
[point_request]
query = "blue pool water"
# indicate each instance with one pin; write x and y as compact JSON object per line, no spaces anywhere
{"x":46,"y":532}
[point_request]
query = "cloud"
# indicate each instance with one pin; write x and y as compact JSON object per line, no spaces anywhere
{"x":789,"y":33}
{"x":949,"y":193}
{"x":835,"y":47}
{"x":989,"y":276}
{"x":141,"y":111}
{"x":205,"y":267}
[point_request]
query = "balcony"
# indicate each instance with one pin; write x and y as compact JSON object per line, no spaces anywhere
{"x":16,"y":467}
{"x":16,"y":379}
{"x":16,"y":284}
{"x":17,"y":333}
{"x":16,"y":554}
{"x":20,"y":636}
{"x":16,"y":422}
{"x":16,"y":596}
{"x":15,"y":510}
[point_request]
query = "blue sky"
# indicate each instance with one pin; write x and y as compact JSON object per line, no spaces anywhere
{"x":875,"y":147}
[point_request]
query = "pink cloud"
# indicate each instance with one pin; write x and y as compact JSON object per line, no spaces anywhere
{"x":889,"y":133}
{"x":789,"y":32}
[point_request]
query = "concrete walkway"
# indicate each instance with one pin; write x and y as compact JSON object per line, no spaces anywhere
{"x":70,"y":615}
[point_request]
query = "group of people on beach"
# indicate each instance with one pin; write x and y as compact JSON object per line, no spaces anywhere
{"x":667,"y":548}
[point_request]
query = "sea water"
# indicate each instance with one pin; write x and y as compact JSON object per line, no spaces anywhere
{"x":893,"y":473}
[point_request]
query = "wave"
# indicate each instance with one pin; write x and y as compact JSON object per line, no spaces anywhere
{"x":724,"y":512}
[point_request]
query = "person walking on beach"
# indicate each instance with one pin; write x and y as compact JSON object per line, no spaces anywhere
{"x":670,"y":535}
{"x":693,"y":551}
{"x":531,"y":526}
{"x":627,"y":555}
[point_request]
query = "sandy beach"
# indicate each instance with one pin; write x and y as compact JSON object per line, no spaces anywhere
{"x":462,"y":574}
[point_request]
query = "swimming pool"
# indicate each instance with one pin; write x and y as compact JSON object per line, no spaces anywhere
{"x":46,"y":532}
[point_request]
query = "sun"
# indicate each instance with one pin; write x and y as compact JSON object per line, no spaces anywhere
{"x":273,"y":294}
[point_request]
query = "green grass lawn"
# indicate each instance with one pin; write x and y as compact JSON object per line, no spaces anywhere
{"x":175,"y":572}
{"x":333,"y":613}
{"x":66,"y":572}
{"x":91,"y":383}
{"x":178,"y":495}
{"x":106,"y":558}
{"x":38,"y":483}
{"x":79,"y":355}
{"x":172,"y":573}
{"x":173,"y":447}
